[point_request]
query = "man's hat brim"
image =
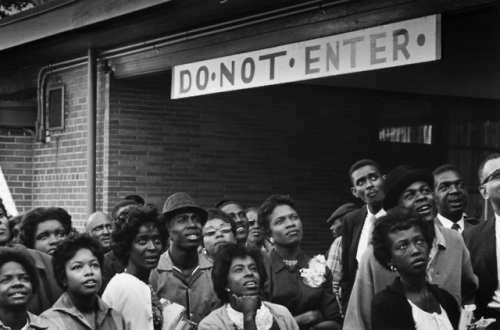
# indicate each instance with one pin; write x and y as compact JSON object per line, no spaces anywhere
{"x":195,"y":209}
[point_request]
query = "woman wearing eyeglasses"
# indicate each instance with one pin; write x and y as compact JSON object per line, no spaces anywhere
{"x":220,"y":228}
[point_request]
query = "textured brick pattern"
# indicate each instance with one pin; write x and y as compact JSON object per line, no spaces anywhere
{"x":59,"y":169}
{"x":291,"y":139}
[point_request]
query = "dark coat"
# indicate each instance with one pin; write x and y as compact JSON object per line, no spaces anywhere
{"x":481,"y":242}
{"x":392,"y":311}
{"x":351,"y":232}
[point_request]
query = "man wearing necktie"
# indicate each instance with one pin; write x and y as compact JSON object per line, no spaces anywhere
{"x":449,"y":264}
{"x":483,"y":242}
{"x":450,"y":191}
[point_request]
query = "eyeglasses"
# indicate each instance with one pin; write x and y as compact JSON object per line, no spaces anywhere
{"x":493,"y":176}
{"x":223,"y":229}
{"x":108,"y":226}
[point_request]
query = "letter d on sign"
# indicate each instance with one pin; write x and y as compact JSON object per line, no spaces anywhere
{"x":184,"y":73}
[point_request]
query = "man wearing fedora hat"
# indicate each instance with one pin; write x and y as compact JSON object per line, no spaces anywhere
{"x":183,"y":276}
{"x":449,"y":264}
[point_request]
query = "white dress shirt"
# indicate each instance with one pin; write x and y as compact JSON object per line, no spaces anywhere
{"x":495,"y":303}
{"x":448,"y":223}
{"x":366,"y":232}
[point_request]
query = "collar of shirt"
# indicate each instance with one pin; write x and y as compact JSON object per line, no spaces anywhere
{"x":370,"y":215}
{"x":277,"y":263}
{"x":448,"y":223}
{"x":32,"y":322}
{"x":497,"y":218}
{"x":166,"y":263}
{"x":437,"y":243}
{"x":66,"y":305}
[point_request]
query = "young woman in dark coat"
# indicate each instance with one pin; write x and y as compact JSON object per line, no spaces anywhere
{"x":401,"y":242}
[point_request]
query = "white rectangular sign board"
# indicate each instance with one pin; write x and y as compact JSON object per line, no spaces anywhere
{"x":409,"y":42}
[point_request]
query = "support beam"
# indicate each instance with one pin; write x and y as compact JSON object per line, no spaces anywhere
{"x":91,"y":130}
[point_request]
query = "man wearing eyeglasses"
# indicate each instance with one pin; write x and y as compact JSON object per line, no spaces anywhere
{"x":183,"y":276}
{"x":450,"y":193}
{"x":483,"y":242}
{"x":100,"y":226}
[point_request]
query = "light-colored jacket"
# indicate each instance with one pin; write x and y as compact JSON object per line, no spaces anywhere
{"x":219,"y":320}
{"x":197,"y":295}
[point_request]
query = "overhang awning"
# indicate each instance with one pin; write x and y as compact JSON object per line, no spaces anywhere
{"x":58,"y":16}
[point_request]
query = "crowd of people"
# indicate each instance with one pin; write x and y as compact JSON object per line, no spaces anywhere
{"x":410,"y":258}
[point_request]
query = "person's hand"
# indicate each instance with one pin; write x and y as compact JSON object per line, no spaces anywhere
{"x":248,"y":305}
{"x":311,"y":317}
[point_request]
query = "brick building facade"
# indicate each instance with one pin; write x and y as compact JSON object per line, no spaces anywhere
{"x":297,"y":139}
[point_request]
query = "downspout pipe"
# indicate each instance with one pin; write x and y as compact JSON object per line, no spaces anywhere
{"x":91,"y":131}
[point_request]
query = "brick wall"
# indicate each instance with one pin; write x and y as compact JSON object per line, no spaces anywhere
{"x":16,"y":167}
{"x":246,"y":145}
{"x":59,"y":169}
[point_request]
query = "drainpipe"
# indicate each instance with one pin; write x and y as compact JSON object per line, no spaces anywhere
{"x":91,"y":130}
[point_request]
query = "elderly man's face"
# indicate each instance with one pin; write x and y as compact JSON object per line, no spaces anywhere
{"x":451,"y":195}
{"x":100,"y":227}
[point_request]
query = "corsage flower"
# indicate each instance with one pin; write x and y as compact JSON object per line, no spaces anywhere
{"x":314,"y":276}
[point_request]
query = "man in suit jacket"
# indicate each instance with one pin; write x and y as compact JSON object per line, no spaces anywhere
{"x":450,"y":192}
{"x":483,"y":244}
{"x":366,"y":185}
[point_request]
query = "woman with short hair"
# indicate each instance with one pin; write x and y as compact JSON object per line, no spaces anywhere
{"x":77,"y":265}
{"x":238,"y":276}
{"x":44,"y":228}
{"x":138,"y":243}
{"x":401,"y":243}
{"x":298,"y":282}
{"x":220,"y":228}
{"x":18,"y":283}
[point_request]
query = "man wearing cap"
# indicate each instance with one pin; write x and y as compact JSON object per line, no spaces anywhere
{"x":451,"y":196}
{"x":449,"y":264}
{"x":334,"y":252}
{"x":334,"y":255}
{"x":367,"y":184}
{"x":183,"y":276}
{"x":236,"y":211}
{"x":483,"y":242}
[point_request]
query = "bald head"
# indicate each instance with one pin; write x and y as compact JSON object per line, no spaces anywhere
{"x":100,"y":225}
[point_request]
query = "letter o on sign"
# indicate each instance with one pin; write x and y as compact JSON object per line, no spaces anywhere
{"x":246,"y":79}
{"x":201,"y":86}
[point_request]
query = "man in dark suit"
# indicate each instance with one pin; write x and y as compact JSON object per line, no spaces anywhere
{"x":450,"y":192}
{"x":366,"y":185}
{"x":483,"y":243}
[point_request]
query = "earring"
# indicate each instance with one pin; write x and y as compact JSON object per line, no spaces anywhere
{"x":228,"y":290}
{"x":393,"y":268}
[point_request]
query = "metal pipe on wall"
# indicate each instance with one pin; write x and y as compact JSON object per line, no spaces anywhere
{"x":91,"y":130}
